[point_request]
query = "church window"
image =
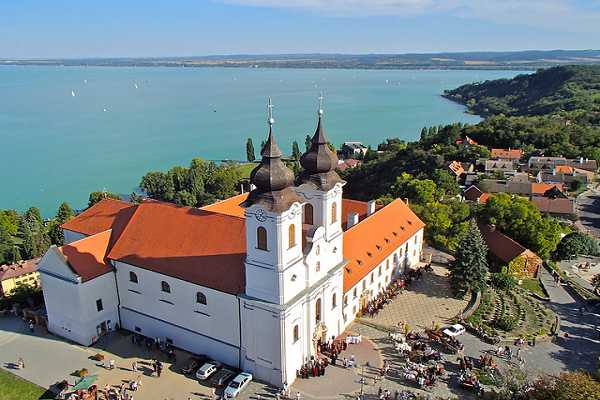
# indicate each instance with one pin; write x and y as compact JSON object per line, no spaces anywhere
{"x":333,"y":301}
{"x":133,"y":277}
{"x":296,"y":333}
{"x":387,"y":264}
{"x":379,"y":271}
{"x":200,"y":298}
{"x":345,"y":300}
{"x":364,"y":284}
{"x":416,"y":239}
{"x":165,"y":287}
{"x":318,"y":266}
{"x":318,"y":311}
{"x":334,"y":213}
{"x":291,"y":236}
{"x":99,"y":305}
{"x":354,"y":293}
{"x":372,"y":276}
{"x":261,"y":238}
{"x":308,"y":214}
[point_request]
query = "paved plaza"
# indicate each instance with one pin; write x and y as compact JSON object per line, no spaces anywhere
{"x":428,"y":301}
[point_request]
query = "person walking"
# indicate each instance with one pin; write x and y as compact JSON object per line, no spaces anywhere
{"x":21,"y":363}
{"x":134,"y":366}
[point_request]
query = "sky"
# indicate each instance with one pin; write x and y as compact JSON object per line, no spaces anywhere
{"x":152,"y":28}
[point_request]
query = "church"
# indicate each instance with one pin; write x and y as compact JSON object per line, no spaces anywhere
{"x":254,"y":281}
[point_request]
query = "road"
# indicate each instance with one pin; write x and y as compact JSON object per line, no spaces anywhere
{"x":588,"y":209}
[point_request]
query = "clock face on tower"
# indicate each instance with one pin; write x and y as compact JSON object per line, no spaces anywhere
{"x":260,"y":215}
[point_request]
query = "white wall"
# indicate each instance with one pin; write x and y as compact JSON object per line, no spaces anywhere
{"x":211,"y":329}
{"x":71,"y":305}
{"x":71,"y":236}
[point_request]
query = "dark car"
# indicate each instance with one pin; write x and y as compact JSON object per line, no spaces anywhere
{"x":222,"y":377}
{"x":193,"y":363}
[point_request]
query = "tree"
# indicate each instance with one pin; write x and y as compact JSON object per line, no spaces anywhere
{"x":307,"y":142}
{"x":578,"y":385}
{"x":250,"y":151}
{"x":97,"y":196}
{"x":55,"y":232}
{"x":295,"y":151}
{"x":446,"y":182}
{"x":470,"y":268}
{"x":370,"y":155}
{"x":158,"y":185}
{"x":576,"y":244}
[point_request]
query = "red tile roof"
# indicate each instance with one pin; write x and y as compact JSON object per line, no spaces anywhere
{"x":8,"y":271}
{"x":354,"y":206}
{"x":502,"y":246}
{"x":507,"y":154}
{"x":554,"y":206}
{"x":86,"y":257}
{"x":541,"y":188}
{"x":564,"y":169}
{"x":368,"y":243}
{"x":484,"y":197}
{"x":199,"y":246}
{"x":98,"y":218}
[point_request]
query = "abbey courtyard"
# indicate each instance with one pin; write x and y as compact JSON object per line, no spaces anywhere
{"x":314,"y":294}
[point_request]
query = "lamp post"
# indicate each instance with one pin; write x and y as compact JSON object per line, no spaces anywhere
{"x":362,"y":378}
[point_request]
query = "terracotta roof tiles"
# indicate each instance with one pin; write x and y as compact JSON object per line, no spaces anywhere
{"x":98,"y":218}
{"x":87,"y":257}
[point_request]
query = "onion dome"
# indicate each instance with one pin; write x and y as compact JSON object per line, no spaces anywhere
{"x":272,"y":179}
{"x":319,"y":161}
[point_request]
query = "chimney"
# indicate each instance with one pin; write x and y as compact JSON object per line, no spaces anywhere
{"x":370,"y":207}
{"x":352,"y":220}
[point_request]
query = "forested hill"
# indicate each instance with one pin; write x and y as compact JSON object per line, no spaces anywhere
{"x":548,"y":91}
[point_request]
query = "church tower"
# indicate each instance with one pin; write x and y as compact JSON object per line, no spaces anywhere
{"x":273,"y":224}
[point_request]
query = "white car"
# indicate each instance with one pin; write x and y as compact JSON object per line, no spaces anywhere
{"x":454,"y":330}
{"x":205,"y":371}
{"x":237,"y":385}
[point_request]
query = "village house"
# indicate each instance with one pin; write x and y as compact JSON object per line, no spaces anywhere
{"x":474,"y":194}
{"x":256,"y":281}
{"x":565,"y":174}
{"x":506,"y":154}
{"x":20,"y":273}
{"x":353,"y":150}
{"x":557,"y":207}
{"x":538,"y":163}
{"x":505,"y":251}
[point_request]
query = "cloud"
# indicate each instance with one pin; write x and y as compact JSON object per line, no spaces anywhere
{"x":561,"y":15}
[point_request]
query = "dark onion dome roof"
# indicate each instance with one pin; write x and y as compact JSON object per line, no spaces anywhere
{"x":273,"y":180}
{"x":319,"y":162}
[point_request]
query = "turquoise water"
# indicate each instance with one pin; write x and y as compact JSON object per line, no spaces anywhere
{"x":57,"y":147}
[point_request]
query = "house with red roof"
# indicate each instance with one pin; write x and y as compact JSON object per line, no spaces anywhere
{"x":255,"y":281}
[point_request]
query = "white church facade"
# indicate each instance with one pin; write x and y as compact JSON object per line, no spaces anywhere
{"x":254,"y":281}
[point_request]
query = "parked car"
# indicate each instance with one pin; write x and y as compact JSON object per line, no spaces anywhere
{"x":221,"y":377}
{"x":237,"y":385}
{"x":206,"y":370}
{"x":454,"y":330}
{"x":193,"y":363}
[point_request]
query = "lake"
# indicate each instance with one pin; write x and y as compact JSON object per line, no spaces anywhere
{"x":68,"y":131}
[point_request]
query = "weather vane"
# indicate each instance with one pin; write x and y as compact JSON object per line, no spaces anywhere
{"x":270,"y":112}
{"x":321,"y":103}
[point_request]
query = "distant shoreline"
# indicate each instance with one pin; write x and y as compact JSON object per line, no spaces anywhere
{"x":510,"y":60}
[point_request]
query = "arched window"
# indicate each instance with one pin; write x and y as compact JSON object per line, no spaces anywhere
{"x":291,"y":236}
{"x":296,"y":333}
{"x":318,"y":266}
{"x":200,"y":298}
{"x":318,"y":311}
{"x":333,"y":301}
{"x":133,"y":277}
{"x":261,"y":238}
{"x":165,"y":287}
{"x":334,"y":213}
{"x":308,"y":214}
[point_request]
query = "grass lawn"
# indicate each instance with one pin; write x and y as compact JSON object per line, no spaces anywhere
{"x":533,"y":285}
{"x":246,"y":168}
{"x":15,"y":388}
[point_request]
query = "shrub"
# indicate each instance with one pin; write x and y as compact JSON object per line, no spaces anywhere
{"x":506,"y":322}
{"x":503,"y":281}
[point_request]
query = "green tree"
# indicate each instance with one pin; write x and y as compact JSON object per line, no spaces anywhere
{"x":576,"y":244}
{"x":158,"y":185}
{"x":55,"y":232}
{"x":97,"y":196}
{"x":578,"y":385}
{"x":250,"y":156}
{"x":470,"y":268}
{"x":295,"y":151}
{"x":307,"y":142}
{"x":445,"y":182}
